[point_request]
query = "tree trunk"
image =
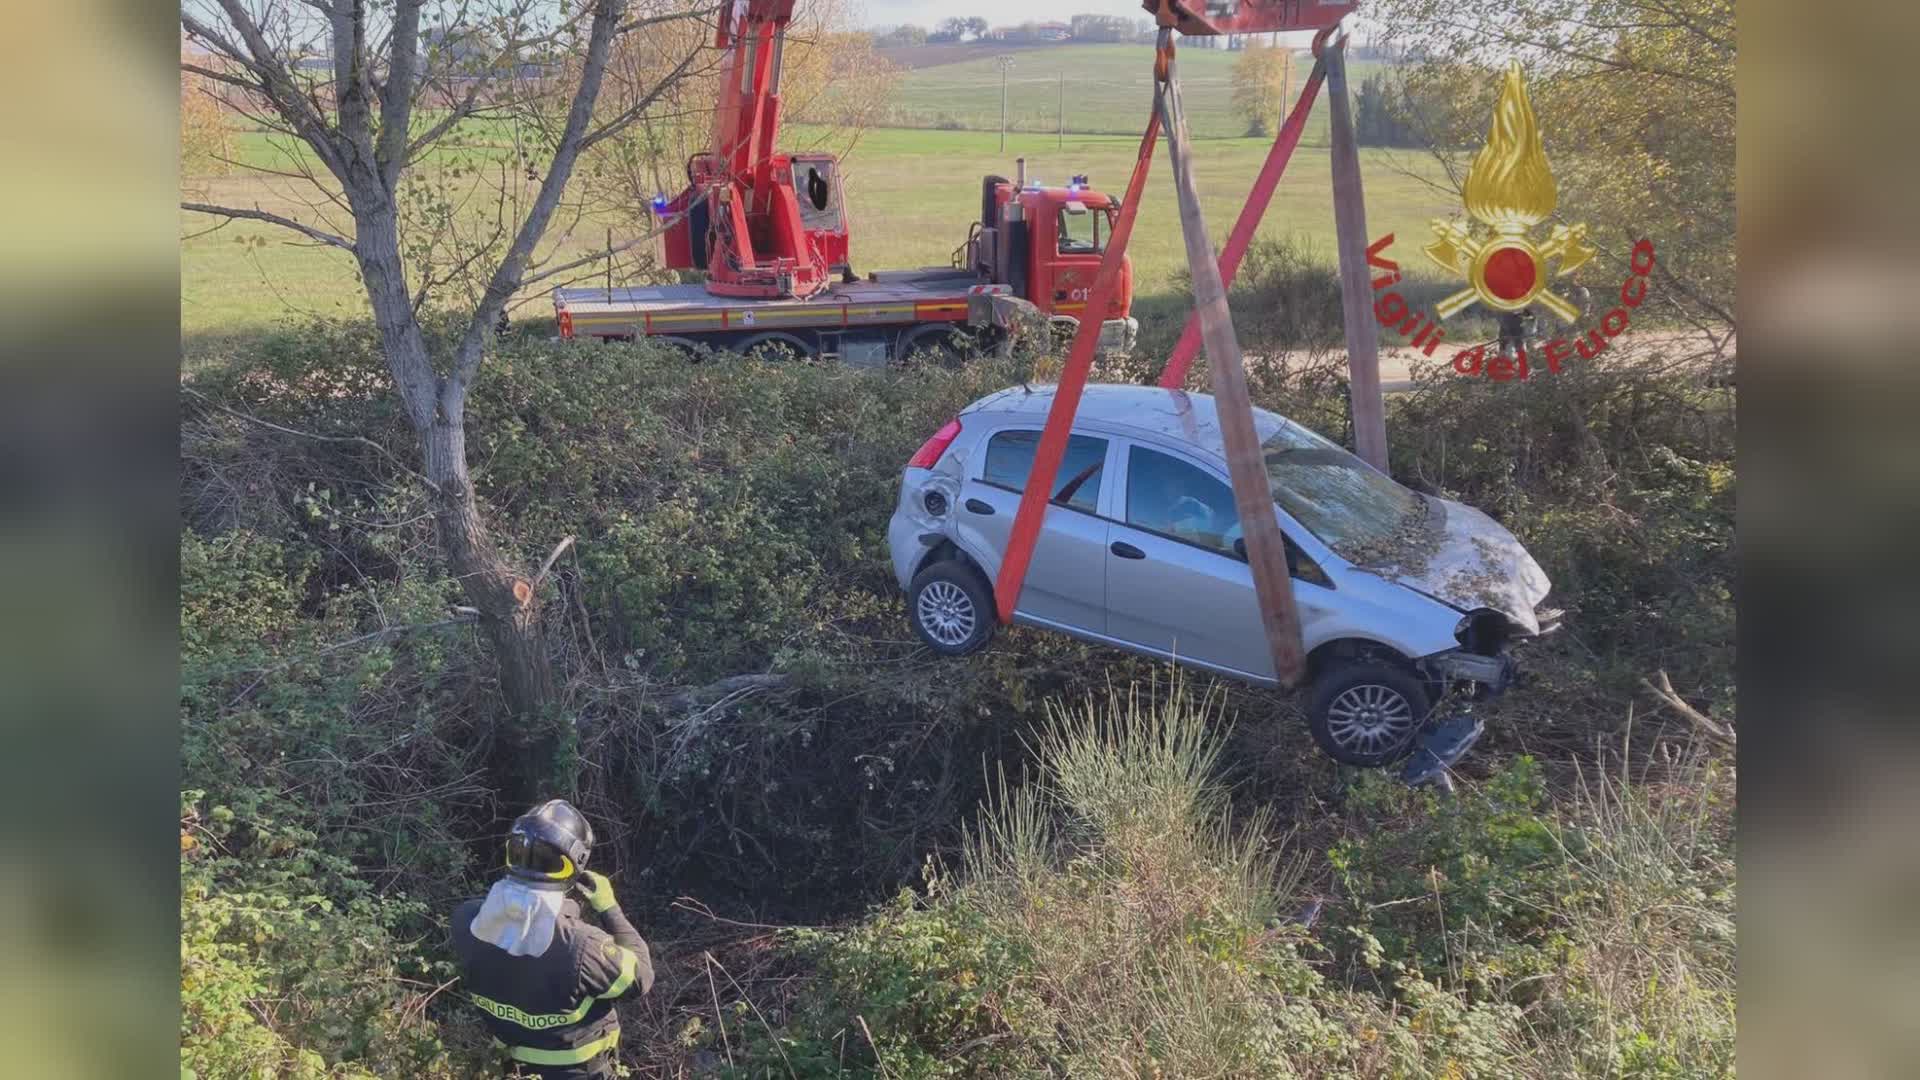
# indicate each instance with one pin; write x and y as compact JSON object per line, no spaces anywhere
{"x":525,"y":761}
{"x":525,"y":755}
{"x":508,"y":609}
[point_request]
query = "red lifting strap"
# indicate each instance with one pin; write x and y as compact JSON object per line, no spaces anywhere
{"x":1073,"y":379}
{"x":1175,"y":374}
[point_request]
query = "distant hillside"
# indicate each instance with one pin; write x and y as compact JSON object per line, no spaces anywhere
{"x":1108,"y":88}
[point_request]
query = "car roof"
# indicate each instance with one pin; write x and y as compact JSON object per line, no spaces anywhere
{"x":1176,"y":415}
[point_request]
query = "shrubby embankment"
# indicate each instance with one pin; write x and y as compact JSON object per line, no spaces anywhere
{"x":1161,"y":883}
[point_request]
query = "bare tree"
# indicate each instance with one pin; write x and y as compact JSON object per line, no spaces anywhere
{"x":398,"y":87}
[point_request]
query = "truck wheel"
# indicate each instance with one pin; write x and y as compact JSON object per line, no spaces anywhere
{"x":1367,"y":712}
{"x":939,"y":346}
{"x":951,"y":608}
{"x":686,"y":348}
{"x":775,"y":348}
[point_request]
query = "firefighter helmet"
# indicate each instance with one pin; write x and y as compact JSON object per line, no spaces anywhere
{"x":549,"y":843}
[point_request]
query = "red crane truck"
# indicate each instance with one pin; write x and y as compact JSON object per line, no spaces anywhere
{"x":769,"y":231}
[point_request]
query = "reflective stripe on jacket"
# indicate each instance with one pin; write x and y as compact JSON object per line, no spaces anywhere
{"x":555,"y":1011}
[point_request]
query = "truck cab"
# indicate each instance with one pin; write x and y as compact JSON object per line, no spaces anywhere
{"x":1045,"y":245}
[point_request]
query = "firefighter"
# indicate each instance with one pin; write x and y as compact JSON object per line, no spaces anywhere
{"x":546,"y":976}
{"x":1516,"y":329}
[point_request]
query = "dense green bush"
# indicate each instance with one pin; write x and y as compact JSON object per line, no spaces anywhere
{"x":292,"y":962}
{"x":1620,"y":481}
{"x":1110,"y":920}
{"x":1607,"y":916}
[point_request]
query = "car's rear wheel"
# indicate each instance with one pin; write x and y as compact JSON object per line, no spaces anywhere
{"x":1367,"y":712}
{"x":951,"y":608}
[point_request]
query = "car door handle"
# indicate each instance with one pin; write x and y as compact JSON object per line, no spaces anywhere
{"x":1126,"y":550}
{"x":978,"y":507}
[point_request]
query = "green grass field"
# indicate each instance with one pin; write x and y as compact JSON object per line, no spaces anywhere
{"x":915,"y":192}
{"x":1109,"y":89}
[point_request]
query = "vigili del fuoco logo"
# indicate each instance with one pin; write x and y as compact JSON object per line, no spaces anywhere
{"x":1508,"y":192}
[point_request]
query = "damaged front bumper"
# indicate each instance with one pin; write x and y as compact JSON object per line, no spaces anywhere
{"x":1442,"y":744}
{"x":1491,"y":675}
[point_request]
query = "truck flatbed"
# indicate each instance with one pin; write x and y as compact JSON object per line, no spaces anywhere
{"x":932,"y":294}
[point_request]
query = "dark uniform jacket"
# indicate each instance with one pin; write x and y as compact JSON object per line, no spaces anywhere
{"x":554,"y":1012}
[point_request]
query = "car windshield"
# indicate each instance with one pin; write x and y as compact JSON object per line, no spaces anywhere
{"x":1342,"y":500}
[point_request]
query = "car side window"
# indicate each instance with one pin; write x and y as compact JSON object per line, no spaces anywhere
{"x":1010,"y":459}
{"x":1178,"y":499}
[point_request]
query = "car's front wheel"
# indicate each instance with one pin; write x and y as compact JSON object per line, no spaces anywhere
{"x":951,"y":608}
{"x":1367,"y":712}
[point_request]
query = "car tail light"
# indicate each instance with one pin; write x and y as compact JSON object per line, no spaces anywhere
{"x":931,"y":450}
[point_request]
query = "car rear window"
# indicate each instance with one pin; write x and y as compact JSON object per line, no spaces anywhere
{"x":1010,"y":460}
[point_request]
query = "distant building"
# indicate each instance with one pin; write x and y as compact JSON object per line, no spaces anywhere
{"x":1030,"y":32}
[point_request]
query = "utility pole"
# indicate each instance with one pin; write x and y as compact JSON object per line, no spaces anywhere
{"x":1286,"y":82}
{"x":1005,"y":62}
{"x":1356,"y":293}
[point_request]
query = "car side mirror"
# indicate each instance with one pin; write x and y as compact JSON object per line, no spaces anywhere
{"x":1240,"y":547}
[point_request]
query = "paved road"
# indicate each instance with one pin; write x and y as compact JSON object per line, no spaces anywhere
{"x":1396,"y":362}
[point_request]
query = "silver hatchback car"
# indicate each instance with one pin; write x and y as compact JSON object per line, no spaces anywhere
{"x":1402,"y":597}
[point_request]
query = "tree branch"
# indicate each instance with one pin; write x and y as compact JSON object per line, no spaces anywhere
{"x":506,"y":278}
{"x":558,"y":550}
{"x":396,"y":97}
{"x":574,"y":264}
{"x":652,"y":20}
{"x":459,"y":112}
{"x":276,"y":83}
{"x":270,"y":425}
{"x":219,"y":76}
{"x":1664,"y":691}
{"x":340,"y":242}
{"x":727,"y":687}
{"x":626,"y":118}
{"x":352,"y":84}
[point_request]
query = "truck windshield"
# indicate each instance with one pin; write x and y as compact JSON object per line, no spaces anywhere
{"x":1342,"y":500}
{"x":1084,"y":232}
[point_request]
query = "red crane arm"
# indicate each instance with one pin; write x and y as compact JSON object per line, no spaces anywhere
{"x":747,"y":121}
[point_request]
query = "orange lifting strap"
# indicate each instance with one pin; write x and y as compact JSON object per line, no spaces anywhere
{"x":1211,"y":323}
